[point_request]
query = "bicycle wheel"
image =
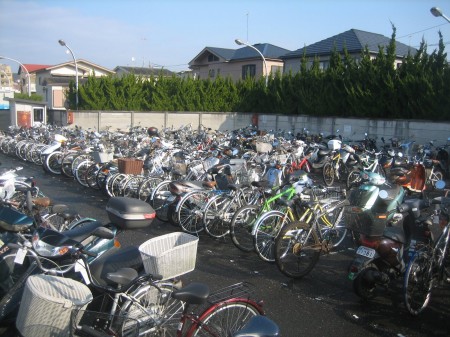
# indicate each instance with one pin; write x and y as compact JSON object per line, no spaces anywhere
{"x":418,"y":282}
{"x":297,"y":250}
{"x":130,"y":188}
{"x":241,"y":227}
{"x":335,"y":234}
{"x":66,"y":164}
{"x":91,"y":176}
{"x":160,"y":200}
{"x":53,"y":162}
{"x":190,"y":210}
{"x":154,"y":308}
{"x":266,"y":231}
{"x":146,"y":187}
{"x":81,"y":172}
{"x":224,"y":318}
{"x":216,"y":216}
{"x":328,"y":173}
{"x":353,"y":178}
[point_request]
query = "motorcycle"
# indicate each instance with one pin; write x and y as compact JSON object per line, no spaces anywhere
{"x":124,"y":213}
{"x":386,"y":223}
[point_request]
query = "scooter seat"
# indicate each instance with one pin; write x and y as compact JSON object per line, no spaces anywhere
{"x":395,"y":233}
{"x":81,"y":233}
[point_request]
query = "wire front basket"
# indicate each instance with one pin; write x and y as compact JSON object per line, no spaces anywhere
{"x":238,"y":290}
{"x":112,"y":325}
{"x":329,"y":194}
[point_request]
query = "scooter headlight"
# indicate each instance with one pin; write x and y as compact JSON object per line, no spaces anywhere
{"x":45,"y":249}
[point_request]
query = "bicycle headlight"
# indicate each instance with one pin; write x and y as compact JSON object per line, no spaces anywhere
{"x":46,"y":249}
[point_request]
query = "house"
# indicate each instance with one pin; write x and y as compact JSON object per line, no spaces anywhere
{"x":238,"y":64}
{"x":52,"y":81}
{"x":23,"y":76}
{"x":353,"y":40}
{"x":142,"y":72}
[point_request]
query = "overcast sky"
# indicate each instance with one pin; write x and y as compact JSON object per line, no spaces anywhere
{"x":170,"y":33}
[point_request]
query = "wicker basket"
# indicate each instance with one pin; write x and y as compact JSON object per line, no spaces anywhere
{"x":170,"y":255}
{"x":130,"y":165}
{"x":47,"y":304}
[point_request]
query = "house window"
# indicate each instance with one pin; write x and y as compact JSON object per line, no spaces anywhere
{"x":248,"y":70}
{"x":212,"y":72}
{"x":38,"y":114}
{"x":212,"y":58}
{"x":324,"y":65}
{"x":58,"y":99}
{"x":275,"y":69}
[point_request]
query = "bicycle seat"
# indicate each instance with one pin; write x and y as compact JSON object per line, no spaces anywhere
{"x":122,"y":276}
{"x":193,"y":293}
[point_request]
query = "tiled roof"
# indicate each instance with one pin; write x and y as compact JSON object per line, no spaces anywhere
{"x":224,"y":53}
{"x":354,"y":40}
{"x":33,"y":67}
{"x":267,"y":49}
{"x":143,"y":71}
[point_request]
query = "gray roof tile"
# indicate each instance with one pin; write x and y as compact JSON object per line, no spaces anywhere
{"x":354,"y":40}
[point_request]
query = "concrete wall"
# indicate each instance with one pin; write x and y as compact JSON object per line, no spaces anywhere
{"x":421,"y":131}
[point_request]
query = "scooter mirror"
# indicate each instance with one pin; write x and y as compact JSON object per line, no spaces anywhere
{"x":440,"y":184}
{"x":383,"y":194}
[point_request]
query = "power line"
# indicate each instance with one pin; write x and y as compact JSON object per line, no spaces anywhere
{"x":421,"y":31}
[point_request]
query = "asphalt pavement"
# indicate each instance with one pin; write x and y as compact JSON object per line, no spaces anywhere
{"x":321,"y":304}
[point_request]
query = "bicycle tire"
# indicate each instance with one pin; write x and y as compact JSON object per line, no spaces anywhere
{"x":147,"y":186}
{"x":189,"y":211}
{"x":241,"y":227}
{"x":66,"y":164}
{"x":157,"y":310}
{"x":224,"y":318}
{"x":81,"y":172}
{"x":91,"y":176}
{"x":328,"y":173}
{"x":294,"y":256}
{"x":353,"y":178}
{"x":53,"y":162}
{"x":266,"y":231}
{"x":418,"y":283}
{"x":336,"y":234}
{"x":160,"y":200}
{"x":214,"y":218}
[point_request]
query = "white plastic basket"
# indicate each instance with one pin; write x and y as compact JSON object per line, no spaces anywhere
{"x":263,"y":147}
{"x":169,"y":255}
{"x":102,"y":157}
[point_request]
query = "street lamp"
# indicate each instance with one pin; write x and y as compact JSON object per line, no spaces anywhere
{"x":62,"y":43}
{"x":240,"y":42}
{"x":26,"y":70}
{"x":436,"y":11}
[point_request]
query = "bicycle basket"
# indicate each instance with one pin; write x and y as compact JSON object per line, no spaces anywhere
{"x":114,"y":325}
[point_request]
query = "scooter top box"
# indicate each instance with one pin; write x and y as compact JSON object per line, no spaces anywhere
{"x":130,"y":213}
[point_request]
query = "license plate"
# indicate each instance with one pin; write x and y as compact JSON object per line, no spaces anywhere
{"x":367,"y":252}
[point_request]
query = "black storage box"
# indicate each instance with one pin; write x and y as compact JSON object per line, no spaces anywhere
{"x":128,"y":213}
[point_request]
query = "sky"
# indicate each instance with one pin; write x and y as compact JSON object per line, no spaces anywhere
{"x":171,"y":33}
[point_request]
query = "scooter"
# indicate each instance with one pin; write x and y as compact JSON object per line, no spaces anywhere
{"x":386,"y":224}
{"x":124,"y":213}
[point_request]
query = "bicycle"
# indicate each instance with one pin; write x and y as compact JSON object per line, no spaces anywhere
{"x":300,"y":208}
{"x":244,"y":219}
{"x":159,"y":307}
{"x":220,"y":209}
{"x":430,"y":266}
{"x":299,"y":244}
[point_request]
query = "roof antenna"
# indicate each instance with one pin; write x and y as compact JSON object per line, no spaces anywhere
{"x":247,"y":25}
